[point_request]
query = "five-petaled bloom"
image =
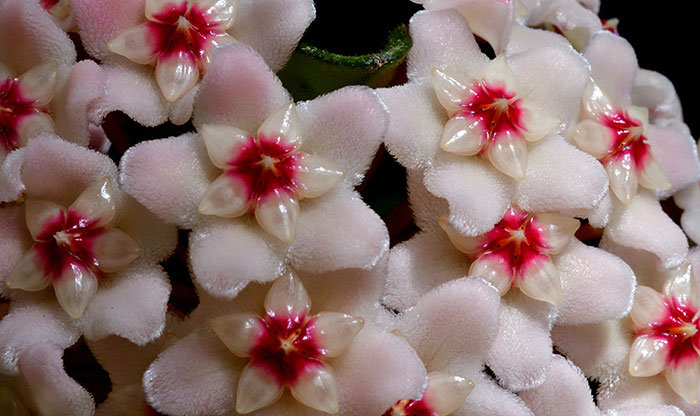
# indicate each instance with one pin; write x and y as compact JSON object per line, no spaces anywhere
{"x":517,"y":252}
{"x":73,"y":247}
{"x":264,"y":173}
{"x":488,"y":117}
{"x":23,"y":106}
{"x":287,"y":348}
{"x":179,"y":39}
{"x":443,"y":395}
{"x":617,"y":138}
{"x":667,"y":339}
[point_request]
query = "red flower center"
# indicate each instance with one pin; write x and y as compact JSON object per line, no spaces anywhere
{"x":410,"y":408}
{"x":14,"y":107}
{"x":497,"y":110}
{"x":628,"y":142}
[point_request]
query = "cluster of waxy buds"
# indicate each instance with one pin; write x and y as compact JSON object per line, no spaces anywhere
{"x":502,"y":303}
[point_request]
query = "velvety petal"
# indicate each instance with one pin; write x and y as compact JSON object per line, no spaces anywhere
{"x":174,"y":382}
{"x":643,"y":227}
{"x":345,"y":128}
{"x":522,"y":351}
{"x":615,"y":80}
{"x":156,"y":239}
{"x":489,"y":399}
{"x":33,"y":320}
{"x":59,"y":171}
{"x":274,"y":42}
{"x":337,"y":230}
{"x":131,"y":304}
{"x":14,"y":243}
{"x":676,"y":151}
{"x":11,"y":185}
{"x":565,"y":391}
{"x":53,"y":391}
{"x":101,"y":21}
{"x":132,"y":89}
{"x":416,"y":124}
{"x":656,"y":92}
{"x":227,"y":255}
{"x":452,"y":48}
{"x":27,"y":27}
{"x":169,"y":177}
{"x":576,"y":22}
{"x":238,"y":90}
{"x":437,"y":325}
{"x":596,"y":285}
{"x":476,"y":204}
{"x":419,"y":265}
{"x":524,"y":38}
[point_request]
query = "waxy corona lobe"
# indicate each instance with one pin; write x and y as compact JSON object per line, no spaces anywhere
{"x":443,"y":395}
{"x":73,"y":247}
{"x":517,"y":252}
{"x":287,"y":348}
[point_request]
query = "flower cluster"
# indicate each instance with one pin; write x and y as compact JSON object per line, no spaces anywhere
{"x":543,"y":259}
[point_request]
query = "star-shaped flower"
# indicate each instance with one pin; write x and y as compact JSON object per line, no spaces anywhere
{"x":179,"y":39}
{"x":487,"y":116}
{"x":517,"y":252}
{"x":265,"y":173}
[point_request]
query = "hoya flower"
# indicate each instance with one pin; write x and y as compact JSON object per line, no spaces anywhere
{"x":517,"y":252}
{"x":595,"y":286}
{"x":84,"y":252}
{"x":154,"y":51}
{"x":558,"y":177}
{"x":618,"y":133}
{"x":689,"y":200}
{"x":435,"y":327}
{"x":488,"y":116}
{"x":266,"y":352}
{"x":571,"y":19}
{"x":272,"y":154}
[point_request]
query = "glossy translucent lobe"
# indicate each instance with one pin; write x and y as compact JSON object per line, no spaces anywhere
{"x":15,"y":106}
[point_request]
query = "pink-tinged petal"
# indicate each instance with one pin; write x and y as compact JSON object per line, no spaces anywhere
{"x":509,"y":155}
{"x":648,"y":410}
{"x":521,"y":354}
{"x":156,"y":239}
{"x":656,"y":92}
{"x":44,"y":218}
{"x":314,"y":175}
{"x":684,"y":379}
{"x":593,"y":138}
{"x":30,"y":37}
{"x":75,"y":288}
{"x":495,"y":269}
{"x":419,"y":265}
{"x":174,"y":382}
{"x":445,"y":393}
{"x":338,"y":230}
{"x":257,"y":388}
{"x":565,"y":391}
{"x":643,"y":227}
{"x":52,"y":390}
{"x":137,"y":44}
{"x":623,"y":177}
{"x":539,"y":279}
{"x":59,"y":171}
{"x":29,"y":273}
{"x":32,"y":125}
{"x":556,"y":230}
{"x":131,"y":304}
{"x":230,"y":195}
{"x":176,"y":74}
{"x":470,"y":214}
{"x":615,"y":80}
{"x":239,"y":331}
{"x":156,"y":7}
{"x":277,"y":213}
{"x":168,"y":177}
{"x":335,"y":331}
{"x":131,"y":89}
{"x":435,"y":327}
{"x":11,"y":185}
{"x":95,"y":206}
{"x":451,"y":48}
{"x":648,"y":355}
{"x":576,"y":23}
{"x":488,"y":398}
{"x":345,"y":128}
{"x":317,"y":388}
{"x":39,"y":83}
{"x":524,"y":38}
{"x":675,"y":151}
{"x":238,"y":90}
{"x":287,"y":297}
{"x":463,"y":243}
{"x":100,"y":21}
{"x":114,"y":250}
{"x":229,"y":146}
{"x":274,"y":42}
{"x":416,"y":124}
{"x":281,"y":132}
{"x":226,"y":256}
{"x":462,"y":136}
{"x":682,"y":285}
{"x":649,"y":306}
{"x":451,"y":89}
{"x":596,"y":285}
{"x":14,"y":243}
